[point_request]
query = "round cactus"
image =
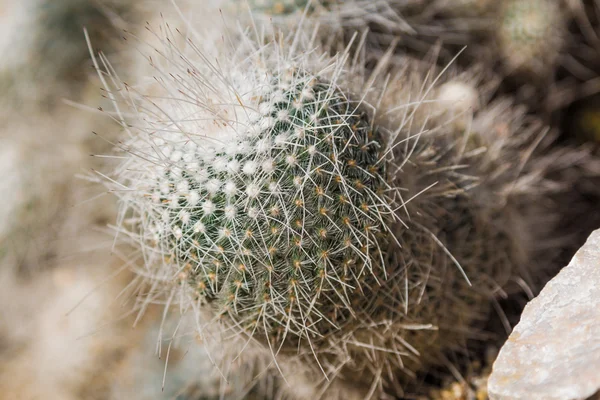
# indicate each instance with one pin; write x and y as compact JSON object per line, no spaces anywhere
{"x":411,"y":26}
{"x":271,"y":201}
{"x":273,"y":223}
{"x":329,"y":230}
{"x":531,"y":36}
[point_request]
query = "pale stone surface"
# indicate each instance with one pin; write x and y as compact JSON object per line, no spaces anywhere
{"x":554,"y":351}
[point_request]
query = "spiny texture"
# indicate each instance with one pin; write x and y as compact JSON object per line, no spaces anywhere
{"x":476,"y":200}
{"x":412,"y":26}
{"x":315,"y":213}
{"x":279,"y":222}
{"x":270,"y":199}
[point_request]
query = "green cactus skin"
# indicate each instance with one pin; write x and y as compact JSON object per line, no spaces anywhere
{"x":273,"y":229}
{"x":412,"y":26}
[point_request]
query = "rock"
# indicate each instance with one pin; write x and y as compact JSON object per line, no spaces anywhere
{"x":554,"y":351}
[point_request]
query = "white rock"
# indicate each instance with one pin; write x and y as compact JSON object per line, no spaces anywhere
{"x":554,"y":351}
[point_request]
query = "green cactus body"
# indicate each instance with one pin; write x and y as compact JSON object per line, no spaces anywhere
{"x":273,"y":226}
{"x":259,"y":187}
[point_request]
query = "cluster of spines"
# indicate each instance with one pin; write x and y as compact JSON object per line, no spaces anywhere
{"x":243,"y":224}
{"x":277,"y":226}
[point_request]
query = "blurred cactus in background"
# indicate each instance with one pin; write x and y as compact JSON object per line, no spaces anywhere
{"x":413,"y":26}
{"x":52,"y":56}
{"x":344,"y":232}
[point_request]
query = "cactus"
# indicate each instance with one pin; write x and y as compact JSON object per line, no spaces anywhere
{"x":273,"y":207}
{"x":52,"y":50}
{"x":353,"y":228}
{"x":277,"y":214}
{"x":531,"y":36}
{"x":332,"y":231}
{"x":269,"y":225}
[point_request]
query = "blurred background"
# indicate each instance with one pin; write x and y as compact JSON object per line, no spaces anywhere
{"x":69,"y":324}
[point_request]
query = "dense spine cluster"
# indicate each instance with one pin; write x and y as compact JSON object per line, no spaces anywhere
{"x":361,"y":227}
{"x":275,"y":225}
{"x":314,"y":204}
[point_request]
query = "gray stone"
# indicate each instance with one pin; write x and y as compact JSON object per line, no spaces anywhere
{"x":554,"y":351}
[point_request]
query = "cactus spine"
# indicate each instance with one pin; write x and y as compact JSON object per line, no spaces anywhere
{"x":259,"y":186}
